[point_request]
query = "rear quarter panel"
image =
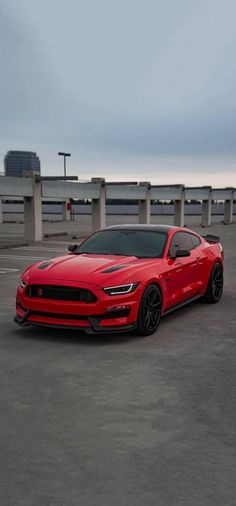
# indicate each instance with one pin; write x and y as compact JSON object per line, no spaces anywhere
{"x":213,"y":253}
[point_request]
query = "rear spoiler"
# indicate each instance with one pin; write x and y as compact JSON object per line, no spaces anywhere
{"x":211,"y":238}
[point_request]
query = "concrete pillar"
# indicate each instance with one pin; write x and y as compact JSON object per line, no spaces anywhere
{"x":65,"y":211}
{"x":206,"y":211}
{"x":179,"y":210}
{"x":145,"y":205}
{"x":1,"y":212}
{"x":228,"y":210}
{"x":99,"y":206}
{"x":33,"y":212}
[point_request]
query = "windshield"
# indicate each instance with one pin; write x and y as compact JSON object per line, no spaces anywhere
{"x":138,"y":243}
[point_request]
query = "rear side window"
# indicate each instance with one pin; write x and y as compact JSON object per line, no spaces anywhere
{"x":180,"y":240}
{"x":196,"y":241}
{"x":183,"y":240}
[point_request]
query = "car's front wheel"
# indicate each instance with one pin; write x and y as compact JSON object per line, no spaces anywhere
{"x":149,"y":311}
{"x":215,"y":284}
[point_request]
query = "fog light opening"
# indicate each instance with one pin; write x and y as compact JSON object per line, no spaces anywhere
{"x":117,"y":308}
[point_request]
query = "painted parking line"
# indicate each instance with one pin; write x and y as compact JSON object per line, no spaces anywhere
{"x":64,"y":243}
{"x":8,"y":269}
{"x":22,"y":257}
{"x":29,"y":248}
{"x":5,"y":270}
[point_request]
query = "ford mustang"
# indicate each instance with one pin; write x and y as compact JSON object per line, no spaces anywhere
{"x":122,"y":278}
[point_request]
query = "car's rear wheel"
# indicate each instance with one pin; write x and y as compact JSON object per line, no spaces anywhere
{"x":215,"y":284}
{"x":149,"y":311}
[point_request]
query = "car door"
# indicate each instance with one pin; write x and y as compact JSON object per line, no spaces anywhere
{"x":180,"y":276}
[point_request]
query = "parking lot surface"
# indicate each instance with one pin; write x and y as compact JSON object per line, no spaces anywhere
{"x":118,"y":420}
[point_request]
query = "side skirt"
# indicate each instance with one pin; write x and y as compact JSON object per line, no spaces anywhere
{"x":182,"y":304}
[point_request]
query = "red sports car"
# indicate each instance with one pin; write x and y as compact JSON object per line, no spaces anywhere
{"x":122,"y":278}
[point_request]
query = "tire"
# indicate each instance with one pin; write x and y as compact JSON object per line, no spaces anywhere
{"x":149,"y":314}
{"x":215,"y":284}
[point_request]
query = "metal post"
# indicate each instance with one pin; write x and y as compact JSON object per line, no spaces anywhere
{"x":65,"y":167}
{"x":62,"y":153}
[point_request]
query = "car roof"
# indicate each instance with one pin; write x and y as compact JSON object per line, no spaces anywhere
{"x":133,"y":226}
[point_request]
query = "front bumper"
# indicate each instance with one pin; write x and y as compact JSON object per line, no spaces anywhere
{"x":94,"y":323}
{"x":96,"y":317}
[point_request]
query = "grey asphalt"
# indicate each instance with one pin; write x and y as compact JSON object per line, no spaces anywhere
{"x":118,"y":420}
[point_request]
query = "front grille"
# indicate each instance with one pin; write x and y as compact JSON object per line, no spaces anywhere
{"x":61,"y":293}
{"x":59,"y":316}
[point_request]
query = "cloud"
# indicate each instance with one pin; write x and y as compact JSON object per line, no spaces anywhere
{"x":127,"y":80}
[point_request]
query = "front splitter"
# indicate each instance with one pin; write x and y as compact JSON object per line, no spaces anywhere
{"x":94,"y":329}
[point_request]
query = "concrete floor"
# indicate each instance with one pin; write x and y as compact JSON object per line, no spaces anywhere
{"x":118,"y":420}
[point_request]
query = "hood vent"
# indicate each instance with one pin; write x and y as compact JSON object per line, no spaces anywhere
{"x":114,"y":268}
{"x":44,"y":265}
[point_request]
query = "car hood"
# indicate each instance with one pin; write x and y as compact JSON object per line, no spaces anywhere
{"x":89,"y":268}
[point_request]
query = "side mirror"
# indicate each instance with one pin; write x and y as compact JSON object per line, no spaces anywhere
{"x":72,"y":247}
{"x":182,"y":253}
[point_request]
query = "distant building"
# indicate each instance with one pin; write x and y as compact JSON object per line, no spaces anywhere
{"x":16,"y":162}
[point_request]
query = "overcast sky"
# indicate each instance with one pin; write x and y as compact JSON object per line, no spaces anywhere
{"x":134,"y":89}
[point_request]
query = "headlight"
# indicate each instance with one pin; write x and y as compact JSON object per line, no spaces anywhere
{"x":121,"y":289}
{"x":22,"y":283}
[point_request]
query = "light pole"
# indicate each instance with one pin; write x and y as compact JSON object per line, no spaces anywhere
{"x":64,"y":155}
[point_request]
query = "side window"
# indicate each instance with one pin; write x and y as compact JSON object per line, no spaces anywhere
{"x":195,"y":240}
{"x":181,"y":240}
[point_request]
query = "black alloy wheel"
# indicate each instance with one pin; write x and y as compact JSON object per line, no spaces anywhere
{"x":149,"y":311}
{"x":215,"y":284}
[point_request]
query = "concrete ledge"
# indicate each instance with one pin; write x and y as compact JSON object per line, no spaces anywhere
{"x":55,"y":234}
{"x":6,"y":245}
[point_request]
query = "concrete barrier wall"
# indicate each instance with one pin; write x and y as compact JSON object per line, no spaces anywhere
{"x":45,"y":199}
{"x":15,"y":212}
